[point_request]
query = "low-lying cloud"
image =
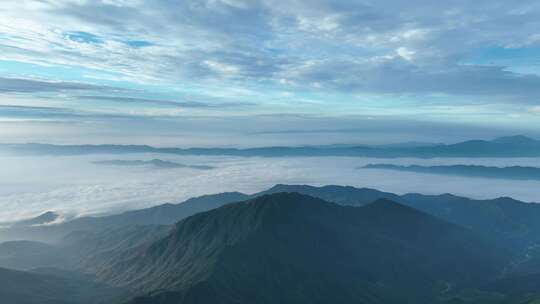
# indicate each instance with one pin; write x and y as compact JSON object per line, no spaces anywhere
{"x":74,"y":186}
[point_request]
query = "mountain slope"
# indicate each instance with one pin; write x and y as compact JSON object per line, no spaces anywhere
{"x":510,"y":223}
{"x":165,"y":214}
{"x":292,"y":248}
{"x":19,"y":287}
{"x":343,"y":195}
{"x":26,"y":255}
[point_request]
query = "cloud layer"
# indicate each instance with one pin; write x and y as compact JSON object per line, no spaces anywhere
{"x":387,"y":46}
{"x":458,"y":61}
{"x":75,"y":186}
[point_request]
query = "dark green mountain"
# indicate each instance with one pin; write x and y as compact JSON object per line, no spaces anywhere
{"x":292,"y":248}
{"x":190,"y":263}
{"x":512,"y":224}
{"x":19,"y":287}
{"x":343,"y":195}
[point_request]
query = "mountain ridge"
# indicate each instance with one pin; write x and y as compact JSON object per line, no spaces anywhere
{"x":286,"y":227}
{"x":509,"y":146}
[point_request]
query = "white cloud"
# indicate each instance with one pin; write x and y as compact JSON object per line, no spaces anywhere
{"x":405,"y":53}
{"x":535,"y":109}
{"x":73,"y":186}
{"x":201,"y":40}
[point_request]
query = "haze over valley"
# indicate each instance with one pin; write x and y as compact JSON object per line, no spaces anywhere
{"x":103,"y":183}
{"x":269,"y":151}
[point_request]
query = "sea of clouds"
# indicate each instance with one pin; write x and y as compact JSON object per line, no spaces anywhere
{"x":74,"y":186}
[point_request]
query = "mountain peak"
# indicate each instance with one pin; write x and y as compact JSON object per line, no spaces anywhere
{"x":282,"y":247}
{"x":515,"y":139}
{"x":390,"y":209}
{"x":44,"y":218}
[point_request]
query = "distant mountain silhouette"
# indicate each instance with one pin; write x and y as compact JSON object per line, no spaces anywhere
{"x":155,"y":163}
{"x":45,"y":218}
{"x":513,"y":172}
{"x":293,"y":248}
{"x":516,"y":139}
{"x":512,"y":146}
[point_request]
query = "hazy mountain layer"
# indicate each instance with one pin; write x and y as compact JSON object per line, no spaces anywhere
{"x":512,"y":146}
{"x":514,"y":172}
{"x":154,"y":163}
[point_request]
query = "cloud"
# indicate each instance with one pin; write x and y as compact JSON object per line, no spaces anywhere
{"x":535,"y":109}
{"x":313,"y":57}
{"x":72,"y":185}
{"x":179,"y":104}
{"x":341,"y":46}
{"x":20,"y":85}
{"x":399,"y":76}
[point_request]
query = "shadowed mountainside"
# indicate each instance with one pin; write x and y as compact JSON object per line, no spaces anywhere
{"x":20,"y":287}
{"x":293,"y":248}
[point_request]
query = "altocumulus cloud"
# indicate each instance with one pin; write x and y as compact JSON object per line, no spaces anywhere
{"x":179,"y":104}
{"x":465,"y":62}
{"x":396,"y":47}
{"x":22,"y":85}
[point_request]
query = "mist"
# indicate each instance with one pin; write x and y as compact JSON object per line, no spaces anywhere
{"x":75,"y":186}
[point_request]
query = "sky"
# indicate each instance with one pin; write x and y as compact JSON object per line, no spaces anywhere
{"x":268,"y":72}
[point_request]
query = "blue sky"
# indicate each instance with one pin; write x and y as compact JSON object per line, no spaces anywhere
{"x":233,"y":72}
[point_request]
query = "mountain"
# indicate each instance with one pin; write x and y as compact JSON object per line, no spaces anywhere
{"x":343,"y":195}
{"x":108,"y":246}
{"x":45,"y":218}
{"x":516,"y":140}
{"x":510,"y":223}
{"x":94,"y":250}
{"x":165,"y":214}
{"x":512,"y":146}
{"x":513,"y":172}
{"x":20,"y":287}
{"x":154,"y":163}
{"x":293,"y":248}
{"x":26,"y":255}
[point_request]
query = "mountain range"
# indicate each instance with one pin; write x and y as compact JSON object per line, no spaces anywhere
{"x":512,"y":223}
{"x":513,"y":172}
{"x":293,"y":248}
{"x":154,"y":163}
{"x":510,"y":146}
{"x":296,"y":244}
